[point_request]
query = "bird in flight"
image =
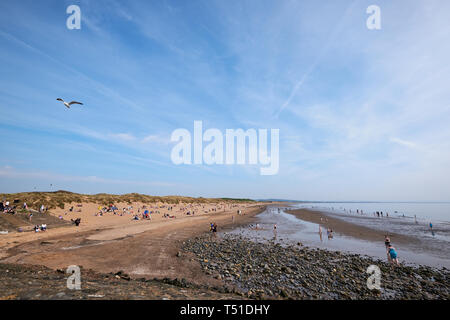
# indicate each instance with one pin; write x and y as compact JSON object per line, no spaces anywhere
{"x":68,"y":104}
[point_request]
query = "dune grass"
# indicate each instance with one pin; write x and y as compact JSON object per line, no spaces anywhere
{"x":58,"y":199}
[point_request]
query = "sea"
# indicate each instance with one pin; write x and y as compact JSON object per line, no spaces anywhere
{"x":406,"y":218}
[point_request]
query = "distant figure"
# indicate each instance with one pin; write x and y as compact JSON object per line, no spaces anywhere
{"x":330,"y":233}
{"x":77,"y":221}
{"x":30,"y":216}
{"x":415,"y":219}
{"x":275,"y":230}
{"x":214,"y":230}
{"x":387,"y":243}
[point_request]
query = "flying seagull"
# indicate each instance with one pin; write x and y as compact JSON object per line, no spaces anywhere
{"x":68,"y":104}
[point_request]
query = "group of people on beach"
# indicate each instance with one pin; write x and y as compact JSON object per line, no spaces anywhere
{"x":38,"y":228}
{"x":329,"y":233}
{"x":7,"y":208}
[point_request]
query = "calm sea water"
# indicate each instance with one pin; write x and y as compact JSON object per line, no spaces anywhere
{"x":424,"y":211}
{"x":433,"y":248}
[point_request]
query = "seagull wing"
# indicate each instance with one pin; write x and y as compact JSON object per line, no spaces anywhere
{"x":59,"y":99}
{"x":74,"y":102}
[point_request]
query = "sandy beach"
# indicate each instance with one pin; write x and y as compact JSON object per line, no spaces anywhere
{"x":113,"y":242}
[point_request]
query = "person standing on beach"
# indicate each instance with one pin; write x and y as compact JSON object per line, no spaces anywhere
{"x":387,"y":243}
{"x":275,"y":230}
{"x":214,"y":230}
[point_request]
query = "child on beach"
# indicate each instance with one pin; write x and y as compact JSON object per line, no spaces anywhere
{"x":387,"y":243}
{"x":393,"y":255}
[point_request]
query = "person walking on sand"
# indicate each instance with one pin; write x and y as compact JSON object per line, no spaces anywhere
{"x":275,"y":230}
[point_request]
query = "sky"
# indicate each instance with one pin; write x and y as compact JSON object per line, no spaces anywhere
{"x":363,"y":115}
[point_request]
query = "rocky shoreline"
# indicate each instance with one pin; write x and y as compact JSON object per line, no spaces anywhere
{"x":271,"y":271}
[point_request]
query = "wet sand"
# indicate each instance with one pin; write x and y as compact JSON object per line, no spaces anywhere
{"x":350,"y":229}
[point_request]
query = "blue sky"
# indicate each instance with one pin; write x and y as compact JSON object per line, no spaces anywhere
{"x":363,"y":114}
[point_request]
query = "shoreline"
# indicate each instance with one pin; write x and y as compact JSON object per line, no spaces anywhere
{"x":350,"y":229}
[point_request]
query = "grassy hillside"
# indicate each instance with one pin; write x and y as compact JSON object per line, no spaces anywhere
{"x":58,"y":198}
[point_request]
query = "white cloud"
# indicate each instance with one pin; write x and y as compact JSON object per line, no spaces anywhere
{"x":402,"y":142}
